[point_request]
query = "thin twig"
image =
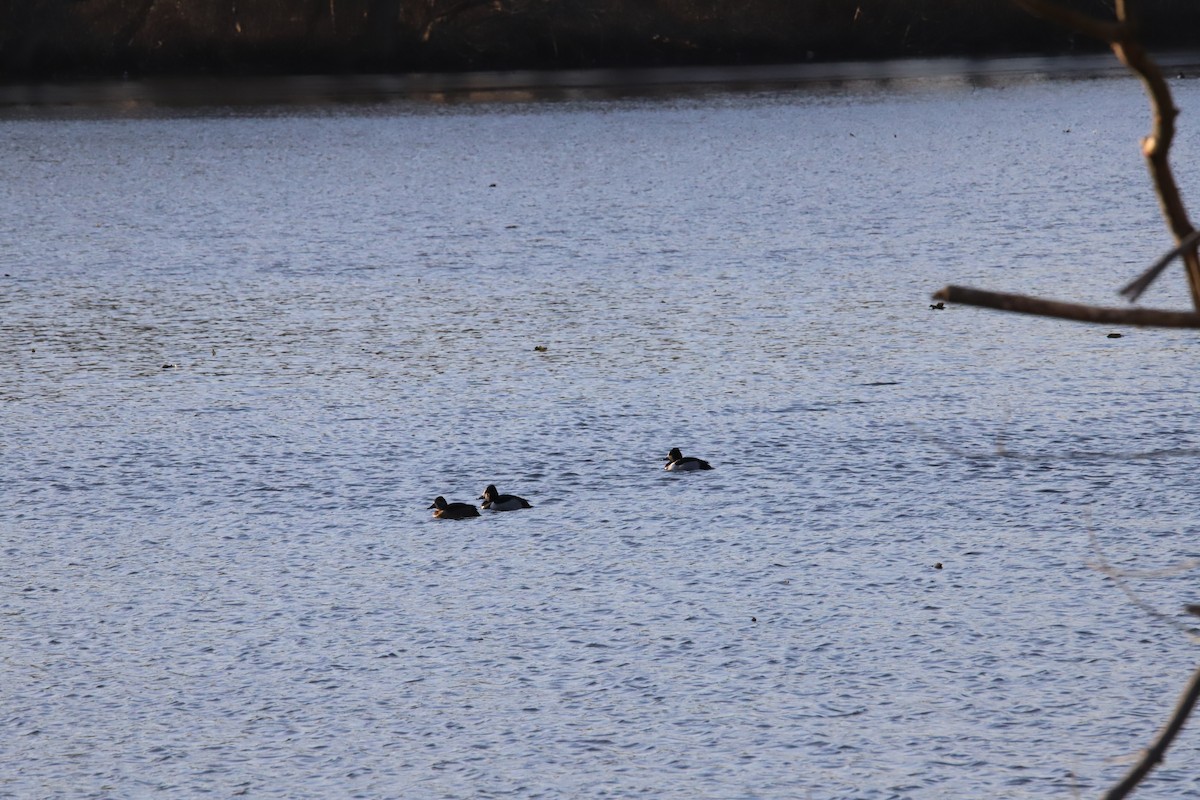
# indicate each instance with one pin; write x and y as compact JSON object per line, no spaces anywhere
{"x":1133,"y":290}
{"x":1182,"y":568}
{"x":1004,"y":453}
{"x":1024,"y":304}
{"x":1118,"y":577}
{"x":1153,"y":755}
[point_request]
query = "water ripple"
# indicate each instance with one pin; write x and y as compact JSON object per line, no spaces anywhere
{"x":222,"y":577}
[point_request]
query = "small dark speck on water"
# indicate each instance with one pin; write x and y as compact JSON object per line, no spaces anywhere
{"x":937,"y":306}
{"x":938,"y":565}
{"x":491,"y":186}
{"x":1115,"y":335}
{"x":541,"y":348}
{"x":169,"y":366}
{"x":754,"y":619}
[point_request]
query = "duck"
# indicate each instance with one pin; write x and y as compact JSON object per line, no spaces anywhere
{"x":444,"y":510}
{"x":502,"y":502}
{"x":677,"y":463}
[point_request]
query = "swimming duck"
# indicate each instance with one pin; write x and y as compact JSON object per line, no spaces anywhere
{"x":677,"y":463}
{"x":502,"y":502}
{"x":444,"y":510}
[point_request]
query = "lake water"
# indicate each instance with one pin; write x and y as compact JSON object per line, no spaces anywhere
{"x":243,"y":347}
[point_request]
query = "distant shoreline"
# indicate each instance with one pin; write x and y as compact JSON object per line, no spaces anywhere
{"x":63,"y":39}
{"x":144,"y":95}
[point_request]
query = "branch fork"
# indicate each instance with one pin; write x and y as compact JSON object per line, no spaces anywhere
{"x":1120,"y":35}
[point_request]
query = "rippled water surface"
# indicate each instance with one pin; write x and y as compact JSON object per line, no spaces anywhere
{"x":241,"y":350}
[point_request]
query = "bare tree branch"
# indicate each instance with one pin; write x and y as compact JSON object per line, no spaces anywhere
{"x":1157,"y":145}
{"x":1024,"y":304}
{"x":1118,"y":576}
{"x":137,"y":21}
{"x":1153,"y":755}
{"x":1121,"y":37}
{"x":1133,"y":290}
{"x":437,"y":17}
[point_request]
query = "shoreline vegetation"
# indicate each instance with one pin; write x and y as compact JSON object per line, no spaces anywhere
{"x":54,"y":39}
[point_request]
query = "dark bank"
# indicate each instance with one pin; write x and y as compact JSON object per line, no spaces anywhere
{"x":73,"y":38}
